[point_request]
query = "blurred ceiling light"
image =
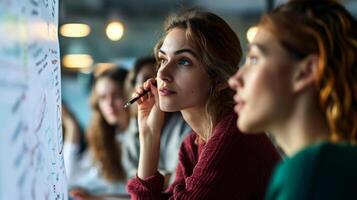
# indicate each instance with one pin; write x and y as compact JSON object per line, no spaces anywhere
{"x":115,"y":30}
{"x":251,"y":33}
{"x":77,"y":61}
{"x":75,"y":30}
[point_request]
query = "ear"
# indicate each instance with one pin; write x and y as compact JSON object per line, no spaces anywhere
{"x":306,"y":73}
{"x":221,"y":86}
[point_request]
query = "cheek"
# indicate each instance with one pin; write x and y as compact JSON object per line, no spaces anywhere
{"x":191,"y":92}
{"x":268,"y":100}
{"x":261,"y":94}
{"x":198,"y":89}
{"x":258,"y":84}
{"x":270,"y":82}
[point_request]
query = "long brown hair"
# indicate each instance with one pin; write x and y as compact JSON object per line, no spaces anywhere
{"x":219,"y":50}
{"x":325,"y":28}
{"x":101,"y":137}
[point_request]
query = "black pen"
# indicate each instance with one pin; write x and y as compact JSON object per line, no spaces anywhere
{"x":128,"y":103}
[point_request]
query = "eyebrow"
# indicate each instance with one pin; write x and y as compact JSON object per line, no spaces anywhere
{"x":182,"y":51}
{"x":261,"y":47}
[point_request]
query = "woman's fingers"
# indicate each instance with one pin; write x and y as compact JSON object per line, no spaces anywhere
{"x":143,"y":89}
{"x":138,"y":91}
{"x":154,"y":92}
{"x":78,"y":192}
{"x":149,"y":83}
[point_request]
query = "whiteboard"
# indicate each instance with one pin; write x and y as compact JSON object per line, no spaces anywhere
{"x":31,"y":161}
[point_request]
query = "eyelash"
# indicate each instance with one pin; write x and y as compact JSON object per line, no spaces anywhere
{"x":188,"y":62}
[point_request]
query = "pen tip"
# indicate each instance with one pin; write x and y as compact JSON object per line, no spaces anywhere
{"x":126,"y":104}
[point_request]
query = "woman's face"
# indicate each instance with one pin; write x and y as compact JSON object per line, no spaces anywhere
{"x":110,"y":100}
{"x":182,"y":80}
{"x":263,"y":85}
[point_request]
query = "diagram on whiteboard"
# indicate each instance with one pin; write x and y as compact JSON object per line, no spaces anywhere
{"x":31,"y":140}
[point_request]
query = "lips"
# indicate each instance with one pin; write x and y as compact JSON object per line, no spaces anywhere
{"x":239,"y":104}
{"x":166,"y":92}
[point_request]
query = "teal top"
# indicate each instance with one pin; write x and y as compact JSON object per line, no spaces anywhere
{"x":322,"y":171}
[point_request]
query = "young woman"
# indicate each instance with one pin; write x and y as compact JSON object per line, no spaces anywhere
{"x":299,"y":83}
{"x":175,"y":129}
{"x":197,"y":54}
{"x":98,"y":170}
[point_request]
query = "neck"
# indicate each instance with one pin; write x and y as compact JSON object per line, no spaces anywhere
{"x":197,"y":119}
{"x":306,"y":126}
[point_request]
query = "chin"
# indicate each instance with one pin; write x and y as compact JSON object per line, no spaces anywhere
{"x":111,"y":121}
{"x":247,"y":128}
{"x":168,"y":107}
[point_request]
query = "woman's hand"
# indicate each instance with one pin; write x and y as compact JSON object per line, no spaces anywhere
{"x":151,"y":120}
{"x":150,"y":117}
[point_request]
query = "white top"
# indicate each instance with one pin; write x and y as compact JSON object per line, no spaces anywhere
{"x":82,"y":172}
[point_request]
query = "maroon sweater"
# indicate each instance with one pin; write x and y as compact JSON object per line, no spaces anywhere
{"x":231,"y":165}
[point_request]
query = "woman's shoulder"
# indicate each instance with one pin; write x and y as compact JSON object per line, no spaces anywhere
{"x":321,"y":171}
{"x":298,"y":167}
{"x":323,"y":153}
{"x":327,"y":160}
{"x":227,"y":125}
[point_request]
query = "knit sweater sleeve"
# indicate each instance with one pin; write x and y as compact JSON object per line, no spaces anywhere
{"x":149,"y":188}
{"x":152,"y":187}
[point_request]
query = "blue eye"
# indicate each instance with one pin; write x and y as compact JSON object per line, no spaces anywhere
{"x":184,"y":62}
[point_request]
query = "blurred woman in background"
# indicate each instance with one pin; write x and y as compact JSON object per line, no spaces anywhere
{"x":99,"y":170}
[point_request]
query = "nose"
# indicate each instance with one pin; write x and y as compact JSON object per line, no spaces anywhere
{"x":165,"y":72}
{"x":236,"y":81}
